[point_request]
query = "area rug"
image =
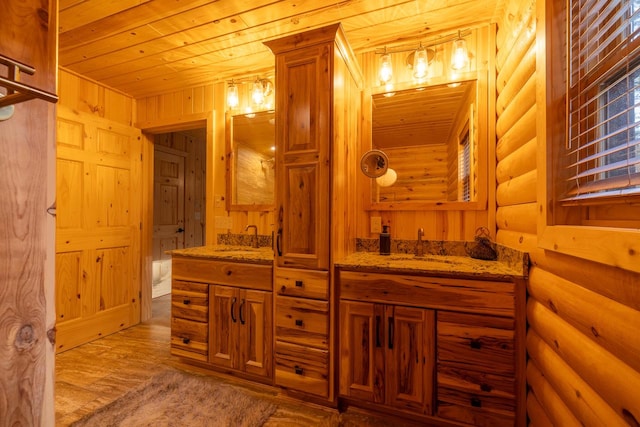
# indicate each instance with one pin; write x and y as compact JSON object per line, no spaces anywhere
{"x":175,"y":398}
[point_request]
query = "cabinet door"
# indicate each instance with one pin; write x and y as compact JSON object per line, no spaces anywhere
{"x":223,"y":324}
{"x":410,"y":349}
{"x":362,"y":351}
{"x":302,"y":155}
{"x":255,"y":332}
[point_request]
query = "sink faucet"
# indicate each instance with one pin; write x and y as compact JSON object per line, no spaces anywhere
{"x":254,"y":238}
{"x":419,"y":251}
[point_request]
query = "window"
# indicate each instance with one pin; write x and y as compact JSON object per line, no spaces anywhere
{"x":603,"y":106}
{"x":464,"y":167}
{"x":588,"y":130}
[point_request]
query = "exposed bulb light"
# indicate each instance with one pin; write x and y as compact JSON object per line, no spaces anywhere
{"x":386,"y":70}
{"x":232,"y":95}
{"x":459,"y":54}
{"x":388,"y":179}
{"x":420,"y":63}
{"x":257,"y":92}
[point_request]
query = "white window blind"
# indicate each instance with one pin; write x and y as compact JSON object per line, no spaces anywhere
{"x":603,"y":99}
{"x":464,"y":168}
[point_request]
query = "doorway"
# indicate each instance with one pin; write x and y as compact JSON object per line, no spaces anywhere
{"x":179,"y":176}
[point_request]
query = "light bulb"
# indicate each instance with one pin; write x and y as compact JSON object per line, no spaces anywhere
{"x":420,"y":63}
{"x":388,"y":179}
{"x":257,"y":93}
{"x":459,"y":54}
{"x":232,"y":95}
{"x":386,"y":71}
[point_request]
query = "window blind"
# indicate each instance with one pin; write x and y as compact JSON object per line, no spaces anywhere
{"x":603,"y":102}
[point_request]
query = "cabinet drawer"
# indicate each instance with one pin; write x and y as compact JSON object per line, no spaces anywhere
{"x":476,"y":342}
{"x":302,"y":368}
{"x":302,"y":321}
{"x":302,"y":283}
{"x":478,"y":409}
{"x":239,"y":274}
{"x":189,"y":339}
{"x":190,"y":300}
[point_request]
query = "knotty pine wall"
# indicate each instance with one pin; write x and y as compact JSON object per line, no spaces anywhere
{"x":583,"y":343}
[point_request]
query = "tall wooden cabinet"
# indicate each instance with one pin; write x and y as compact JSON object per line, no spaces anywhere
{"x":317,"y":108}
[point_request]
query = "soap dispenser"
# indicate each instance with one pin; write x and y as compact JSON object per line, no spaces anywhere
{"x":385,"y":241}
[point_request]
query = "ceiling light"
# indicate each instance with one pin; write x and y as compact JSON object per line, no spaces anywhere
{"x":420,"y":63}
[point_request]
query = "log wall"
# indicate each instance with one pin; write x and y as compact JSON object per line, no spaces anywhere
{"x":584,"y":317}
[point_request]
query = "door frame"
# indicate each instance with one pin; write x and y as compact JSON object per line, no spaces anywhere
{"x":149,"y":129}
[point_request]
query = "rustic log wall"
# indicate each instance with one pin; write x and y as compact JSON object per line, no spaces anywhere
{"x":582,"y":342}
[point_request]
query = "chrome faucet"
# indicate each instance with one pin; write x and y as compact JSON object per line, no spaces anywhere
{"x":419,"y":251}
{"x":254,"y":238}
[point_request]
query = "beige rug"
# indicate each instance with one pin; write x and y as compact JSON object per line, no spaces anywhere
{"x":175,"y":398}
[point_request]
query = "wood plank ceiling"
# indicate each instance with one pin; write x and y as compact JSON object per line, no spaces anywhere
{"x":147,"y":47}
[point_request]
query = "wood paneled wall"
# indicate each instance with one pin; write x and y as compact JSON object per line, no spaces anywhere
{"x":28,"y":33}
{"x":582,"y":342}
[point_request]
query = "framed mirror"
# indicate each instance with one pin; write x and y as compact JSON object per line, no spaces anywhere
{"x":250,"y":147}
{"x":434,"y":142}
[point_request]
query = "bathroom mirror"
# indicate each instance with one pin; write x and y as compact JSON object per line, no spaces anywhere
{"x":374,"y":163}
{"x":250,"y":147}
{"x":434,"y":143}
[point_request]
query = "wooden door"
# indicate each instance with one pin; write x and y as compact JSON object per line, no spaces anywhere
{"x":361,"y":351}
{"x":223,"y":326}
{"x":168,"y":203}
{"x":303,"y":157}
{"x":254,"y":315}
{"x":410,"y":358}
{"x":97,"y":227}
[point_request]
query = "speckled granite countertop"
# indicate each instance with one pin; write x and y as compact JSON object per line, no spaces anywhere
{"x":235,"y":253}
{"x":441,"y":265}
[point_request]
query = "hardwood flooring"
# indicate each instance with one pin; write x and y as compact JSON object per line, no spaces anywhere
{"x":94,"y":374}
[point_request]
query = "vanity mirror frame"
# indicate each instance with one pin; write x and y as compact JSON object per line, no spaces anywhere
{"x":230,"y":169}
{"x":485,"y":132}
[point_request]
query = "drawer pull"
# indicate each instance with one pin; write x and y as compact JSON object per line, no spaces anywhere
{"x":476,"y":402}
{"x":186,"y":340}
{"x":298,"y":322}
{"x":299,"y":370}
{"x":476,"y":344}
{"x":390,"y":344}
{"x":299,"y":283}
{"x":186,"y":301}
{"x":486,"y":387}
{"x":233,"y":308}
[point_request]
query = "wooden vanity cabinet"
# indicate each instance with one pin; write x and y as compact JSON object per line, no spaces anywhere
{"x":240,"y":333}
{"x":222,"y":314}
{"x":387,"y":355}
{"x":317,"y":123}
{"x":459,"y":354}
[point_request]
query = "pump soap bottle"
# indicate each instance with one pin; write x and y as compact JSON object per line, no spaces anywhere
{"x":385,"y":241}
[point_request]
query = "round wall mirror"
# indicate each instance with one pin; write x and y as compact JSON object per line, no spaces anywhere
{"x":374,"y":163}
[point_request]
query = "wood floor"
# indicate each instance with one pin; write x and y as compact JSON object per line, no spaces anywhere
{"x":94,"y":374}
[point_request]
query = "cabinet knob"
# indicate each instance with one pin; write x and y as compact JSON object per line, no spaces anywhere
{"x":299,"y":370}
{"x":476,"y":402}
{"x":186,"y":301}
{"x":298,"y":322}
{"x":186,"y":340}
{"x":298,"y":283}
{"x":476,"y":344}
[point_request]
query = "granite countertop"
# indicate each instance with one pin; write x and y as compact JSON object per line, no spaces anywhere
{"x":235,"y":253}
{"x":441,"y":265}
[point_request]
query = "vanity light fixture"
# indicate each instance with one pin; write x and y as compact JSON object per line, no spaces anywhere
{"x":386,"y":70}
{"x":232,"y":95}
{"x":420,"y":63}
{"x":459,"y":54}
{"x":261,"y":89}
